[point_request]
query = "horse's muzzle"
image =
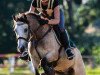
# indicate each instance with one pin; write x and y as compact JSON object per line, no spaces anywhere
{"x":21,"y":49}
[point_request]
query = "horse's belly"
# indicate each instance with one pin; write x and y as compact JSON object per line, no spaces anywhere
{"x":63,"y":64}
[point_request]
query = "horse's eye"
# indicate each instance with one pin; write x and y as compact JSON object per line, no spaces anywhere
{"x":25,"y":30}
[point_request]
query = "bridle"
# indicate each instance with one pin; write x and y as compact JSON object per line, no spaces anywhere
{"x":26,"y":39}
{"x":33,"y":32}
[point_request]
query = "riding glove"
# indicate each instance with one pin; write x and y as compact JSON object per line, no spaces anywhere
{"x":43,"y":22}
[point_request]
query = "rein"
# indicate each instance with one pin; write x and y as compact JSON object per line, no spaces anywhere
{"x":38,"y":40}
{"x":33,"y":36}
{"x":26,"y":39}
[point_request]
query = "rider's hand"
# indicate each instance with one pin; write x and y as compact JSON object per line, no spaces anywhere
{"x":43,"y":21}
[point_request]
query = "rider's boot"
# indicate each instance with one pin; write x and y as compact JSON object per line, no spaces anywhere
{"x":66,"y":43}
{"x":63,"y":37}
{"x":47,"y":67}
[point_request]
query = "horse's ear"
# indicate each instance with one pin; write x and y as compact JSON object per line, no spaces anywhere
{"x":14,"y":17}
{"x":25,"y":17}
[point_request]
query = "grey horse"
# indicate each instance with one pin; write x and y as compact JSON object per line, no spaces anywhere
{"x":42,"y":42}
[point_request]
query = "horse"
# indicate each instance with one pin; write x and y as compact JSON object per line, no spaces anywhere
{"x":42,"y":42}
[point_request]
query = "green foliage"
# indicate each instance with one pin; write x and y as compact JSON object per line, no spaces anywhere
{"x":7,"y":36}
{"x":85,"y":15}
{"x":90,"y":71}
{"x":78,"y":2}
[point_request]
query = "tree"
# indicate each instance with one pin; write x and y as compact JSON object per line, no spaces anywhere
{"x":7,"y":35}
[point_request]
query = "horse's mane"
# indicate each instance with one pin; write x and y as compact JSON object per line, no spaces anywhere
{"x":23,"y":17}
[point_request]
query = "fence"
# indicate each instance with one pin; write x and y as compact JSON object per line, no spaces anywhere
{"x":91,"y":68}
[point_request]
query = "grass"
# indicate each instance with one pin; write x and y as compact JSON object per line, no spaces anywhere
{"x":18,"y":71}
{"x":26,"y":71}
{"x":95,"y":71}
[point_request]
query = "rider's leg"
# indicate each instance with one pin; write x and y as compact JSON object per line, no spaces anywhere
{"x":66,"y":43}
{"x":64,"y":36}
{"x":64,"y":40}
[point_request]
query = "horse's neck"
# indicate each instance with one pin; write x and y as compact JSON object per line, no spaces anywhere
{"x":48,"y":38}
{"x":42,"y":31}
{"x":49,"y":41}
{"x":35,"y":26}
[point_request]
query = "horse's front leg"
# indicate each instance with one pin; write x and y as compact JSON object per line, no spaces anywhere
{"x":36,"y":72}
{"x":47,"y":67}
{"x":47,"y":62}
{"x":34,"y":58}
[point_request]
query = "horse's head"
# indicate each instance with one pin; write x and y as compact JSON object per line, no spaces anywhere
{"x":22,"y":25}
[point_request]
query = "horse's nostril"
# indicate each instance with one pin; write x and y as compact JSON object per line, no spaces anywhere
{"x":22,"y":49}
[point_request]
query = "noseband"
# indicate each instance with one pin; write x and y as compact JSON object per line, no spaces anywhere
{"x":26,"y":39}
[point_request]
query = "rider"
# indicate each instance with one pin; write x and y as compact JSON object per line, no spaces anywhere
{"x":56,"y":18}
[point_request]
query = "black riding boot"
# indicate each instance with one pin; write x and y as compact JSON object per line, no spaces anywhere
{"x":64,"y":39}
{"x":66,"y":43}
